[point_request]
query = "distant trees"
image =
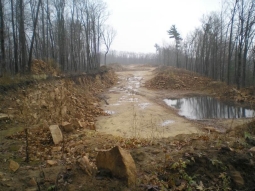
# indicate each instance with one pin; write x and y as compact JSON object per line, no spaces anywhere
{"x":67,"y":33}
{"x":122,"y":57}
{"x":222,"y":47}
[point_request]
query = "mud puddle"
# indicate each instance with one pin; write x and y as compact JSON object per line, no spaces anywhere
{"x":206,"y":107}
{"x":133,"y":114}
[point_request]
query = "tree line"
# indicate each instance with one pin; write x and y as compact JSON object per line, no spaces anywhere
{"x":222,"y":48}
{"x":124,"y":57}
{"x":66,"y":32}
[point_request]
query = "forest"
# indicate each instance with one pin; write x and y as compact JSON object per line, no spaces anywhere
{"x":70,"y":34}
{"x":222,"y":48}
{"x":61,"y":32}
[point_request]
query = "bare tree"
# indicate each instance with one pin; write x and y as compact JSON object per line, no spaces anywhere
{"x":253,"y":60}
{"x":108,"y":36}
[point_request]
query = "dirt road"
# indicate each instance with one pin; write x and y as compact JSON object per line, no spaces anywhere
{"x":135,"y":111}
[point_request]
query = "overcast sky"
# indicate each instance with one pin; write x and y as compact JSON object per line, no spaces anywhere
{"x":142,"y":23}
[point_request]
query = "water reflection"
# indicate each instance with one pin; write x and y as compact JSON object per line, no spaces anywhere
{"x":207,"y":107}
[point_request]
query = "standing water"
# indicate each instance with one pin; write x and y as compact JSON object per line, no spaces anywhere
{"x":206,"y":107}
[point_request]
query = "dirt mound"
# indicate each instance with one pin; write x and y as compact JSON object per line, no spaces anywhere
{"x":177,"y":79}
{"x":60,"y":100}
{"x":116,"y":67}
{"x":35,"y":107}
{"x":40,"y":67}
{"x":245,"y":95}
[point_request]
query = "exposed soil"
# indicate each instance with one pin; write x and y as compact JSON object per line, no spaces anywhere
{"x":170,"y":151}
{"x":139,"y":112}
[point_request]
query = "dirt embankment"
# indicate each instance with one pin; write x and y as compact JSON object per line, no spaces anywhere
{"x":27,"y":111}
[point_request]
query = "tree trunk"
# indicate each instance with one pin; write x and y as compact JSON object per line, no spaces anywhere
{"x":105,"y":58}
{"x":230,"y":41}
{"x":33,"y":37}
{"x":44,"y":54}
{"x":177,"y":58}
{"x":50,"y":33}
{"x":2,"y":38}
{"x":14,"y":41}
{"x":22,"y":38}
{"x":239,"y":67}
{"x":240,"y":46}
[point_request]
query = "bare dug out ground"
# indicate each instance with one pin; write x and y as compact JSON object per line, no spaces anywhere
{"x":204,"y":161}
{"x":172,"y":78}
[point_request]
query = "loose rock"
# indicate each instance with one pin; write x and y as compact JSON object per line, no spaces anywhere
{"x":237,"y":178}
{"x":32,"y":182}
{"x":52,"y":162}
{"x":83,"y":124}
{"x":56,"y":149}
{"x":76,"y":123}
{"x":67,"y":127}
{"x":1,"y":175}
{"x":56,"y":134}
{"x":4,"y":117}
{"x":86,"y":166}
{"x":63,"y":110}
{"x":211,"y":129}
{"x":252,"y":150}
{"x":14,"y":166}
{"x":119,"y":162}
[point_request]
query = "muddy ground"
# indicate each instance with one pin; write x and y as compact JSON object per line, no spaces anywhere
{"x":170,"y":151}
{"x":136,"y":111}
